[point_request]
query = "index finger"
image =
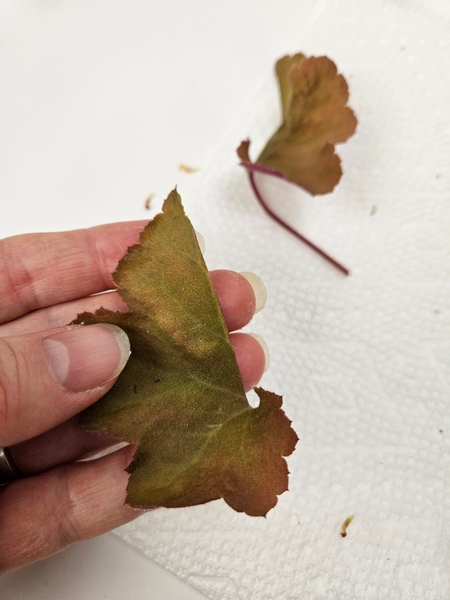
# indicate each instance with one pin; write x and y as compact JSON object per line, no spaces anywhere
{"x":42,"y":269}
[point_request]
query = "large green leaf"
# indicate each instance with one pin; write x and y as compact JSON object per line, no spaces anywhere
{"x":180,"y":398}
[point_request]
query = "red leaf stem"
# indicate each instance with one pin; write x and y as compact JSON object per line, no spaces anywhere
{"x":291,"y":230}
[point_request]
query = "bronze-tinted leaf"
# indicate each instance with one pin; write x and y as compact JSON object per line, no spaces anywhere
{"x":180,"y":397}
{"x":315,"y":118}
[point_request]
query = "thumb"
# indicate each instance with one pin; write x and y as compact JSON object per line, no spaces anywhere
{"x":49,"y":376}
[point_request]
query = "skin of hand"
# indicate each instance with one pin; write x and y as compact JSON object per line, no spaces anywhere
{"x":49,"y":372}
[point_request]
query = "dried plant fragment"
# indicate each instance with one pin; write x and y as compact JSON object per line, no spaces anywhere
{"x":315,"y":117}
{"x":148,"y":201}
{"x":180,"y":398}
{"x":345,"y":524}
{"x":187,"y":169}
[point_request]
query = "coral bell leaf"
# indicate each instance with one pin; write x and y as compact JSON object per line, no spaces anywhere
{"x":315,"y":118}
{"x":302,"y":150}
{"x":180,"y":398}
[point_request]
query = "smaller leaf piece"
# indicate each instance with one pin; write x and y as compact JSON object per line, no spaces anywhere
{"x":180,"y":398}
{"x":315,"y":117}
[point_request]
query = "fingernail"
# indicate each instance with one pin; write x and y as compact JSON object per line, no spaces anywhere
{"x":201,"y":242}
{"x":82,"y":358}
{"x":265,"y":348}
{"x":259,"y":289}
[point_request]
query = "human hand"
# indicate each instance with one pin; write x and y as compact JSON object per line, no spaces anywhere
{"x":49,"y":372}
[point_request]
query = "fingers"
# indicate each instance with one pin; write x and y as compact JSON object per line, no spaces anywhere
{"x":41,"y":515}
{"x":240,"y":295}
{"x":46,"y":270}
{"x":252,"y":356}
{"x":68,"y":442}
{"x":50,"y":376}
{"x":72,"y":367}
{"x":65,"y":443}
{"x":39,"y":270}
{"x":78,"y":501}
{"x":25,"y":365}
{"x":61,"y":314}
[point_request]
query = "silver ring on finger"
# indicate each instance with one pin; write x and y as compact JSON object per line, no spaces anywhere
{"x":8,"y":470}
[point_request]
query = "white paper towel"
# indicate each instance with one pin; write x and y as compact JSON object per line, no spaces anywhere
{"x":362,"y":362}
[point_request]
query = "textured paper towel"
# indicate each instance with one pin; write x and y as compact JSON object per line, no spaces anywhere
{"x":363,"y":362}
